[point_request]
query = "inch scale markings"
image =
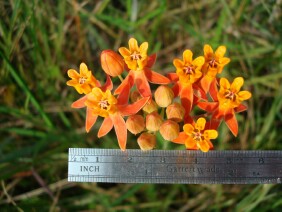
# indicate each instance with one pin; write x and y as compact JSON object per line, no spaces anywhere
{"x":174,"y":166}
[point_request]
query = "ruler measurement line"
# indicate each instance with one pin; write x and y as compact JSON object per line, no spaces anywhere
{"x":174,"y":166}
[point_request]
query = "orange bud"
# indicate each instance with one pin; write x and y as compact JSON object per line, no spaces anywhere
{"x":169,"y":130}
{"x":153,"y":121}
{"x":175,"y":112}
{"x":150,"y":107}
{"x":135,"y":124}
{"x":112,"y":63}
{"x":146,"y":141}
{"x":164,"y":96}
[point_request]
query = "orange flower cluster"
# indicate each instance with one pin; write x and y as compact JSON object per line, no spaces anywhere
{"x":133,"y":107}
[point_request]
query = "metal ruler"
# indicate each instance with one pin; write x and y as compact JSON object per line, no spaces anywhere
{"x":174,"y":166}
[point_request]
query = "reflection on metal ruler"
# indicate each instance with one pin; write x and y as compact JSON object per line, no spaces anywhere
{"x":174,"y":166}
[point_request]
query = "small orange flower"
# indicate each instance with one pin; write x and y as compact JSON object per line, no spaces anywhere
{"x":196,"y":137}
{"x":164,"y":96}
{"x":135,"y":57}
{"x":83,"y":81}
{"x":169,"y":130}
{"x":230,"y":96}
{"x":228,"y":103}
{"x":188,"y":72}
{"x":214,"y":63}
{"x":139,"y":65}
{"x":135,"y":124}
{"x":175,"y":112}
{"x":146,"y":141}
{"x":113,"y":110}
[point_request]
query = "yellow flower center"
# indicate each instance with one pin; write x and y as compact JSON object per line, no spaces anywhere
{"x":188,"y":70}
{"x":136,"y":56}
{"x":213,"y":63}
{"x":197,"y":135}
{"x":230,"y":95}
{"x":104,"y":104}
{"x":82,"y":80}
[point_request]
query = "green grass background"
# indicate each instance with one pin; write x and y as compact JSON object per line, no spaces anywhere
{"x":41,"y":40}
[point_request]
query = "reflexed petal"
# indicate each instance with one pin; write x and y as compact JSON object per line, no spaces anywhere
{"x":244,"y":95}
{"x":176,"y":89}
{"x":90,"y":119}
{"x":155,"y":77}
{"x":124,"y":52}
{"x":142,"y":84}
{"x":173,"y":77}
{"x":214,"y":90}
{"x":73,"y":74}
{"x":108,"y":84}
{"x":200,"y":124}
{"x":208,"y":51}
{"x":224,"y":83}
{"x":120,"y":129}
{"x":210,"y":134}
{"x":80,"y":103}
{"x":240,"y":108}
{"x":237,"y":84}
{"x":83,"y":69}
{"x":205,"y":83}
{"x":203,"y":145}
{"x":106,"y":126}
{"x":151,"y":60}
{"x":190,"y":143}
{"x":231,"y":121}
{"x":188,"y":129}
{"x":124,"y":96}
{"x":199,"y":61}
{"x":187,"y":56}
{"x":186,"y":96}
{"x":181,"y":138}
{"x":208,"y":106}
{"x":219,"y":53}
{"x":133,"y":45}
{"x":127,"y":81}
{"x":127,"y":110}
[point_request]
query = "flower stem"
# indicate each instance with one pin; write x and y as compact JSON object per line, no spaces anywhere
{"x":120,"y":77}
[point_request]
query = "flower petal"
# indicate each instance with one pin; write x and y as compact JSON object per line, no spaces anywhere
{"x":240,"y":108}
{"x":210,"y":134}
{"x":208,"y":51}
{"x":90,"y":119}
{"x":73,"y":74}
{"x":120,"y":129}
{"x":219,"y":52}
{"x":155,"y":77}
{"x":108,"y":84}
{"x":106,"y":126}
{"x":208,"y":106}
{"x":186,"y":96}
{"x":124,"y":96}
{"x":151,"y":60}
{"x":224,"y":83}
{"x":172,"y":77}
{"x":187,"y":56}
{"x":133,"y":45}
{"x":237,"y":84}
{"x":80,"y":103}
{"x":199,"y":61}
{"x":244,"y":95}
{"x":142,"y":84}
{"x":181,"y":138}
{"x":127,"y":110}
{"x":188,"y":129}
{"x":190,"y":143}
{"x":178,"y":63}
{"x":200,"y":124}
{"x":124,"y":52}
{"x":127,"y":81}
{"x":231,"y":121}
{"x":203,"y":145}
{"x":83,"y":69}
{"x":144,"y":48}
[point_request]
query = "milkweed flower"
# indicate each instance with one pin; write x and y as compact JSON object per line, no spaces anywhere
{"x":228,"y":102}
{"x":83,"y":81}
{"x":196,"y":136}
{"x":104,"y":104}
{"x":146,"y":141}
{"x":139,"y":65}
{"x":153,"y":121}
{"x":169,"y":130}
{"x":135,"y":124}
{"x":214,"y":63}
{"x":188,"y":72}
{"x":175,"y":112}
{"x":164,"y":96}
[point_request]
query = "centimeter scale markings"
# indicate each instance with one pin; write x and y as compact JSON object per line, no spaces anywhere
{"x":174,"y":166}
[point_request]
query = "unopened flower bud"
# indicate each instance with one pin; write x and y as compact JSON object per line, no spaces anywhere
{"x":135,"y":124}
{"x":153,"y":121}
{"x":164,"y":96}
{"x":112,"y":63}
{"x":146,"y":141}
{"x":150,"y":107}
{"x":169,"y":130}
{"x":175,"y":112}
